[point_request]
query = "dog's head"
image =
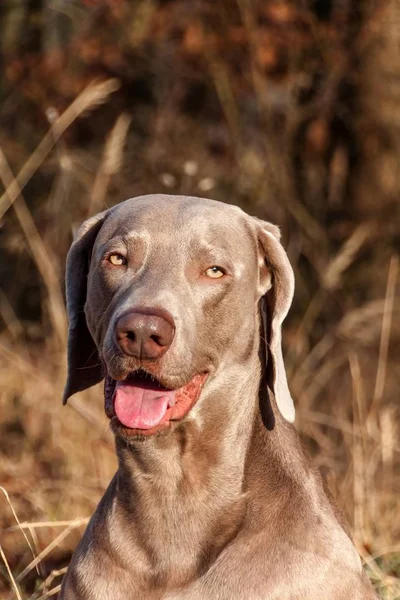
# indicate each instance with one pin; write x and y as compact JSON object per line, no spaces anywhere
{"x":164,"y":293}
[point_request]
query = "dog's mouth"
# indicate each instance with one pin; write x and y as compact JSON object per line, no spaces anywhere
{"x":142,"y":405}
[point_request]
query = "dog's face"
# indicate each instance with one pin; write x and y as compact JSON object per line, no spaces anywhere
{"x":171,"y":302}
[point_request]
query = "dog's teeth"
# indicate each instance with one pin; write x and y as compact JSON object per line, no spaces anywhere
{"x":171,"y":402}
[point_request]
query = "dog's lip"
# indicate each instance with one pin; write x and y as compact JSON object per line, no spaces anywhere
{"x":184,"y":399}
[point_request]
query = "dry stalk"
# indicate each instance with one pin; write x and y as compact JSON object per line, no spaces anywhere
{"x":46,"y":583}
{"x":47,"y":550}
{"x":346,"y":255}
{"x":92,"y":96}
{"x":330,"y":280}
{"x":12,"y":579}
{"x":17,"y":520}
{"x":358,"y":448}
{"x":9,"y":317}
{"x":335,"y":423}
{"x":44,"y":524}
{"x":51,"y":592}
{"x":39,"y":252}
{"x":385,"y":333}
{"x":110,"y":163}
{"x":389,"y":434}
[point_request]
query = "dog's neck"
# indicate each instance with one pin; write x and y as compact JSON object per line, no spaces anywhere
{"x":178,"y":487}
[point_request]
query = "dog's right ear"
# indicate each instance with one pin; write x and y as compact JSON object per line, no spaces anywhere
{"x":274,"y":306}
{"x":84,"y":367}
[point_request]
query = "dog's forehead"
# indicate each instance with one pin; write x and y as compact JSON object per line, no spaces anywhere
{"x":182,"y":216}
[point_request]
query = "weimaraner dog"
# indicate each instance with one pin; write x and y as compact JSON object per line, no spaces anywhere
{"x":177,"y":302}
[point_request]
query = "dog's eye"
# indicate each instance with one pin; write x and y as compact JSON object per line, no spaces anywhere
{"x":117,"y":259}
{"x":215,"y":272}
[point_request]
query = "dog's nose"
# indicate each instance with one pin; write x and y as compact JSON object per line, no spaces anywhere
{"x":144,"y":335}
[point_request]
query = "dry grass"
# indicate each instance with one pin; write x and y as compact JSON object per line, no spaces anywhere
{"x":56,"y":462}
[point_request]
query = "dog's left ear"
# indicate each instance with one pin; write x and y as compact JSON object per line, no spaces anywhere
{"x":276,"y":289}
{"x":84,"y":368}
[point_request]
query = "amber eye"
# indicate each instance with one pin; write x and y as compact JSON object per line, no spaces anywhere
{"x":214,"y":272}
{"x":117,"y":260}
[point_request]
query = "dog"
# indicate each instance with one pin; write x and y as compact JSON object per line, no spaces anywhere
{"x":177,"y":303}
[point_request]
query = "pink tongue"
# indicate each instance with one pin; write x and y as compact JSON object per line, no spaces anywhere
{"x":141,"y":405}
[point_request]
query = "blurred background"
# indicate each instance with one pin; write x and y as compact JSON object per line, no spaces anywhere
{"x":290,"y":109}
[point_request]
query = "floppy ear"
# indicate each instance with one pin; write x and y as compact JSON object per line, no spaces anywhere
{"x":277,"y":286}
{"x":84,"y":368}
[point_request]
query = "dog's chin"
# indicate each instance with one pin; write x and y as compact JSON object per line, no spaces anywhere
{"x":141,"y":406}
